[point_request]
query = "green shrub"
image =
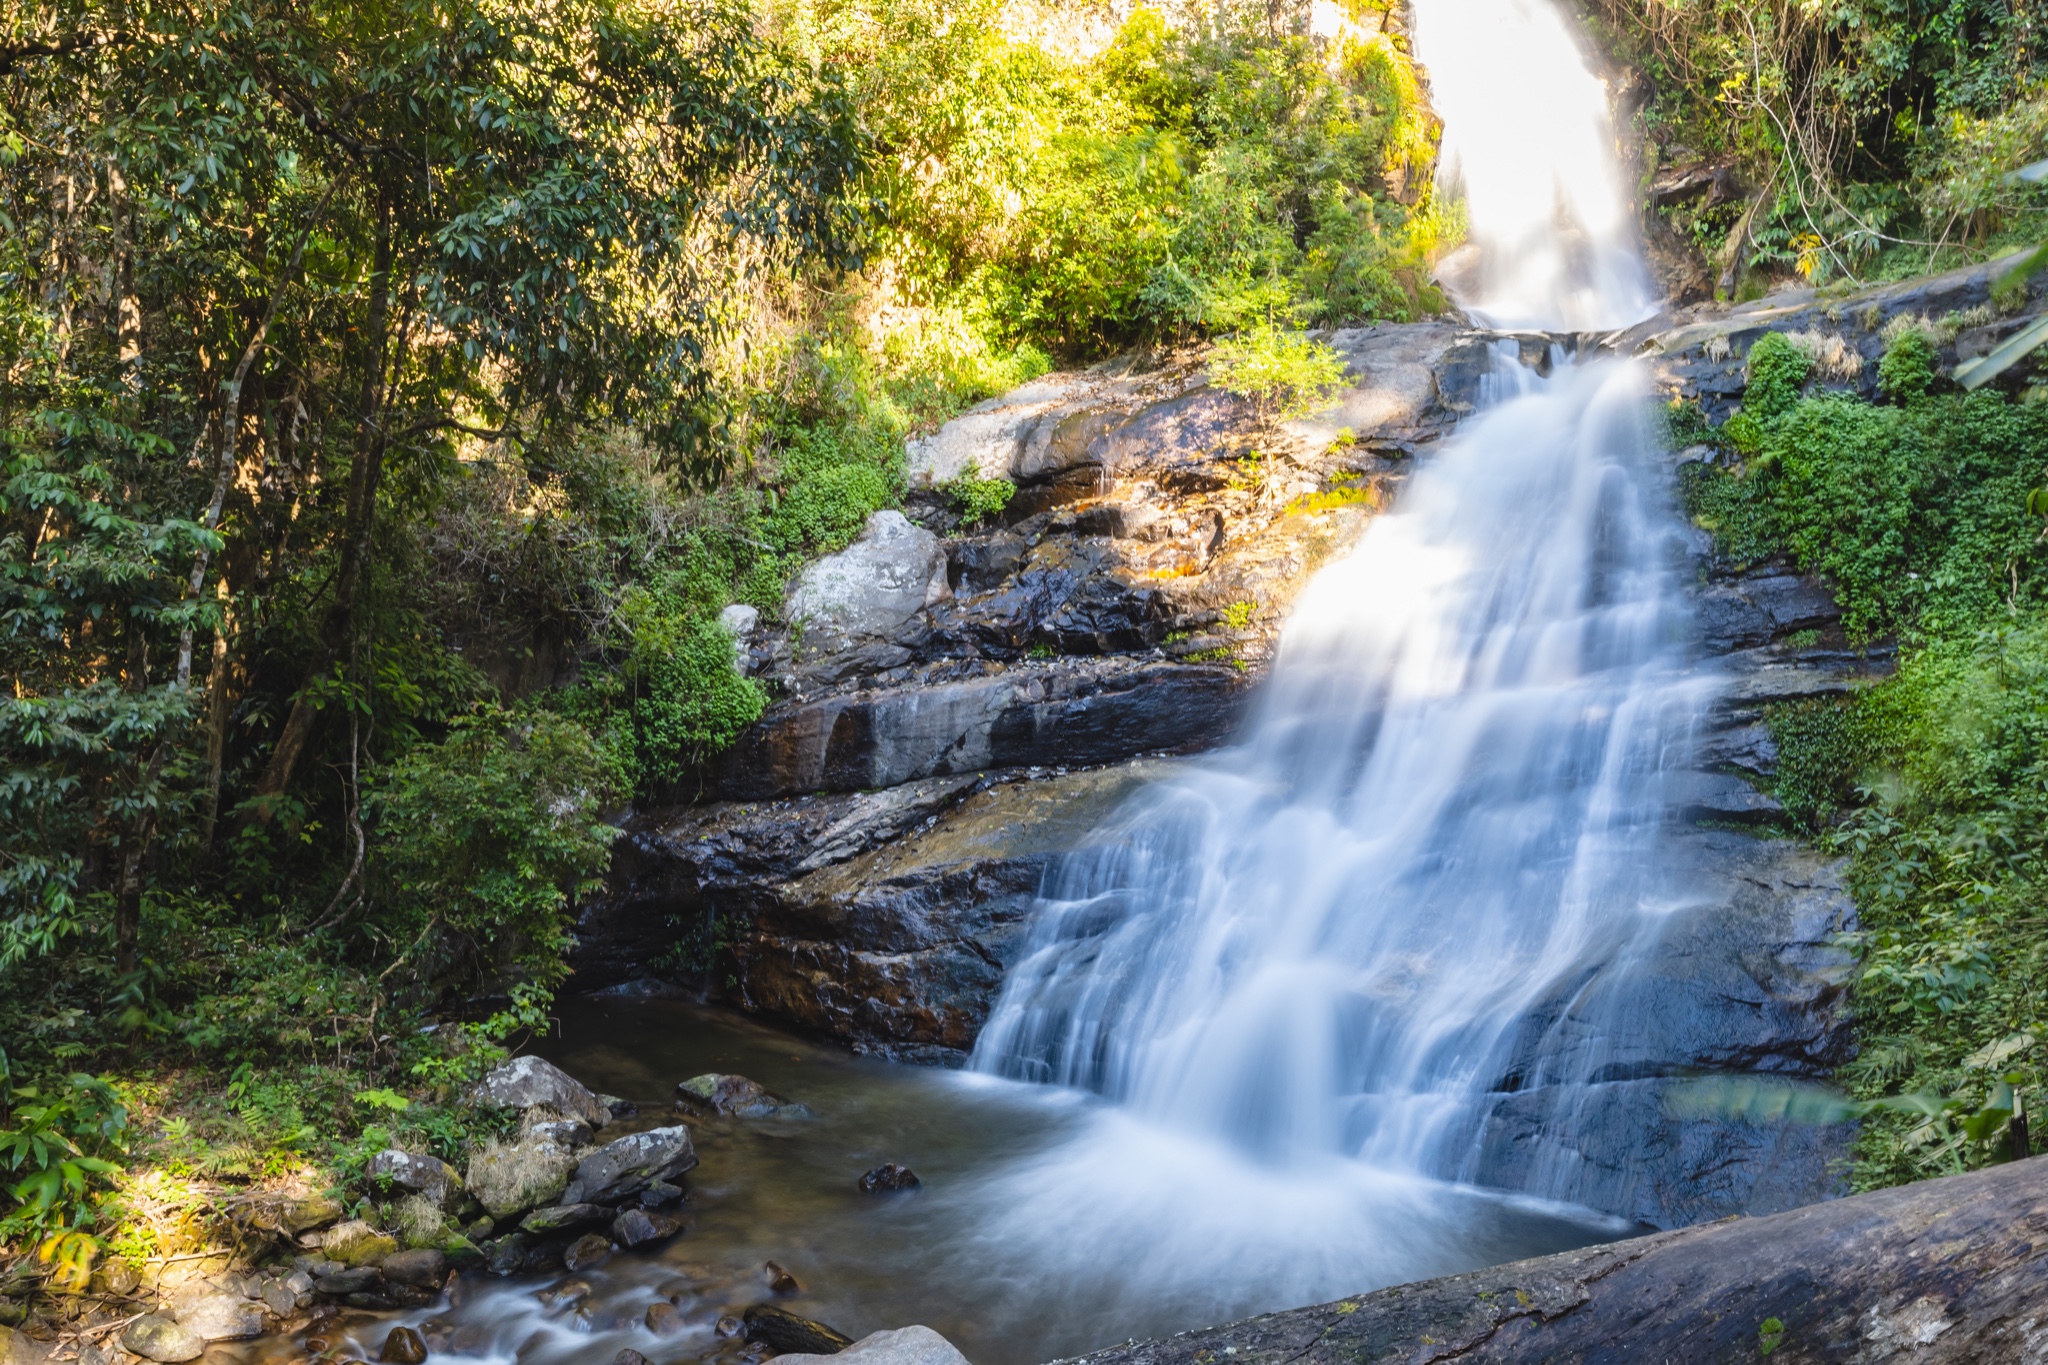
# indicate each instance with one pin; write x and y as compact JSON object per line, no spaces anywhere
{"x":1907,"y":370}
{"x":1777,"y":371}
{"x":1284,"y":374}
{"x":977,"y":499}
{"x":693,"y":700}
{"x":482,"y":840}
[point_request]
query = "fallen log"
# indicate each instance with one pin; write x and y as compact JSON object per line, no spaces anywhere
{"x":1945,"y":1270}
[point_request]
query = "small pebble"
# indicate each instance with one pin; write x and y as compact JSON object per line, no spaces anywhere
{"x":629,"y":1356}
{"x":663,"y":1320}
{"x":780,"y":1280}
{"x":730,"y":1326}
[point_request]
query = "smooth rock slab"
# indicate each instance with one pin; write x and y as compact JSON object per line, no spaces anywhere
{"x":218,"y":1316}
{"x":904,"y":1346}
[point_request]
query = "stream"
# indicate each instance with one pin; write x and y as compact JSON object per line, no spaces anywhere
{"x":1009,"y":1171}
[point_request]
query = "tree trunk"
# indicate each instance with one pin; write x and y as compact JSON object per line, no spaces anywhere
{"x":217,"y":701}
{"x":1945,"y":1270}
{"x":365,"y":473}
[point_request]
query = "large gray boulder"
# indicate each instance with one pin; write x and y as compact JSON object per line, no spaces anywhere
{"x":427,"y":1176}
{"x":620,"y":1170}
{"x":528,"y":1082}
{"x":904,"y":1346}
{"x":892,"y":572}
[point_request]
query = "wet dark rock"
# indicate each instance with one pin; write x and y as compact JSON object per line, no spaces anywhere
{"x":716,"y":1095}
{"x":403,"y":1346}
{"x":425,"y":1268}
{"x":887,"y":1177}
{"x":629,"y":1356}
{"x":562,"y":1218}
{"x":1068,"y":713}
{"x":659,"y":1194}
{"x":664,"y":1320}
{"x":780,"y":1280}
{"x":389,"y":1297}
{"x":637,"y":1228}
{"x":787,"y":1334}
{"x":729,"y":1326}
{"x":586,"y":1251}
{"x":507,"y":1256}
{"x":618,"y":1108}
{"x":619,"y":1170}
{"x":345,"y":1282}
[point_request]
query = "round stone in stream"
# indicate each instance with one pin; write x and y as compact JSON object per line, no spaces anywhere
{"x":629,"y":1356}
{"x":587,"y":1251}
{"x":403,"y":1347}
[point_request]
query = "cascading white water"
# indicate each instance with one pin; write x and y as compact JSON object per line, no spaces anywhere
{"x":1527,"y":141}
{"x":1302,"y":967}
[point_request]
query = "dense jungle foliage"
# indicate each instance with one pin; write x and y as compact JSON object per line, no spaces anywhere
{"x":1924,"y":513}
{"x":1863,"y":140}
{"x":395,"y":394}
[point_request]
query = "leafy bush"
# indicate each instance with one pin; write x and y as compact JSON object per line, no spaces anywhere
{"x":693,"y":699}
{"x":1284,"y":374}
{"x":977,"y":499}
{"x":59,"y":1151}
{"x":482,"y":840}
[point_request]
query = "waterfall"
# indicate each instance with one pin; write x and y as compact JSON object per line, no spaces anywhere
{"x":1303,"y":968}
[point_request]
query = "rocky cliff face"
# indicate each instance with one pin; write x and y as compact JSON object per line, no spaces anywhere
{"x":960,"y":704}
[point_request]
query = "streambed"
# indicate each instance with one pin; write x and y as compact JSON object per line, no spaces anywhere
{"x":1047,"y":1223}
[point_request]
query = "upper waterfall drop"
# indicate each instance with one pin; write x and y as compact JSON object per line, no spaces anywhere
{"x":1528,"y":141}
